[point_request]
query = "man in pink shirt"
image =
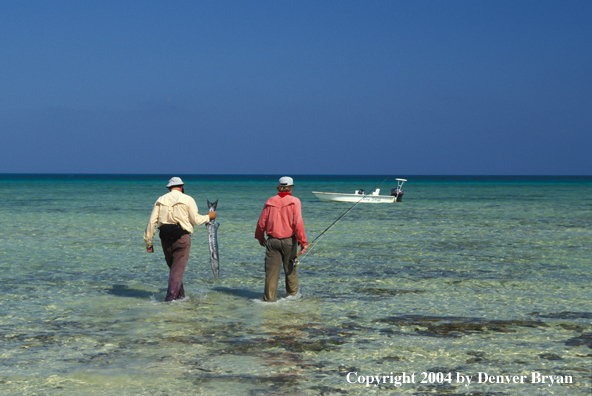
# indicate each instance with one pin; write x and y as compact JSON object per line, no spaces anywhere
{"x":281,"y":220}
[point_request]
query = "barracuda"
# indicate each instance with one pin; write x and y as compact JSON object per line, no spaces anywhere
{"x":213,"y":240}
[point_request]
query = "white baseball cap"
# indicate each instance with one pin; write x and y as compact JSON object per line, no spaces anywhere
{"x":286,"y":181}
{"x":175,"y":181}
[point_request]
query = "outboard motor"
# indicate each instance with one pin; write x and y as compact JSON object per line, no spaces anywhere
{"x":397,"y":192}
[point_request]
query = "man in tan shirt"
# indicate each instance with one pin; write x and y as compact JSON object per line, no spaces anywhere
{"x":175,"y":214}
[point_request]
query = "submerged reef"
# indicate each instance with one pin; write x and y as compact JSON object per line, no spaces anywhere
{"x":442,"y":326}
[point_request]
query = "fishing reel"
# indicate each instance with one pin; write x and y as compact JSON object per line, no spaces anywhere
{"x":295,"y":260}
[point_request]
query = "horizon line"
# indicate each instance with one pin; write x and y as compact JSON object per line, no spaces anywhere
{"x":294,"y":174}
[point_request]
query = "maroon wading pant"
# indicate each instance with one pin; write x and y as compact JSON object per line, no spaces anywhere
{"x":176,"y":254}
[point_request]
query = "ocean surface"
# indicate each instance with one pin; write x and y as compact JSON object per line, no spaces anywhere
{"x":480,"y":279}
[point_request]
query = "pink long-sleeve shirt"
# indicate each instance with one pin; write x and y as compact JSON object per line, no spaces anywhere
{"x":280,"y":218}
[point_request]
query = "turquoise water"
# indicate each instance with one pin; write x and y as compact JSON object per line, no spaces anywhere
{"x":465,"y":276}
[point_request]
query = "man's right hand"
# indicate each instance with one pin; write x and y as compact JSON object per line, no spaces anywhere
{"x":303,"y":248}
{"x":212,"y":215}
{"x":150,"y":249}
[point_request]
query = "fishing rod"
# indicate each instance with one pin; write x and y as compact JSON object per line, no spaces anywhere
{"x":296,"y":261}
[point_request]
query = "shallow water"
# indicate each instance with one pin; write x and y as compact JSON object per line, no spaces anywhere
{"x":466,"y":275}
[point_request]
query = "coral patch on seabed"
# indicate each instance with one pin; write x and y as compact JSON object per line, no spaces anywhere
{"x":436,"y":326}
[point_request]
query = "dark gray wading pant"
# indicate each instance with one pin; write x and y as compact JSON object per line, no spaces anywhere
{"x":176,"y":254}
{"x":278,"y":252}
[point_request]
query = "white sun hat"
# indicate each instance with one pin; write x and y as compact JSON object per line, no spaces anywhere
{"x":175,"y":181}
{"x":286,"y":181}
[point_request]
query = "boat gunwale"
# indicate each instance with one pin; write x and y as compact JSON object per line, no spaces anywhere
{"x":344,"y":197}
{"x":353,"y":195}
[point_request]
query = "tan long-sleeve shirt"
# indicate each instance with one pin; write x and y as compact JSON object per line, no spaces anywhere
{"x":173,"y":208}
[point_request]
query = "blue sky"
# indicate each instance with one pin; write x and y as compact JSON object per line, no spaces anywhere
{"x":296,"y":87}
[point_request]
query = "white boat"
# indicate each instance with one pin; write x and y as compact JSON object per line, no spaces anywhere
{"x":360,"y":196}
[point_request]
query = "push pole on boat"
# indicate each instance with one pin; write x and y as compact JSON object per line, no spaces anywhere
{"x":296,"y":261}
